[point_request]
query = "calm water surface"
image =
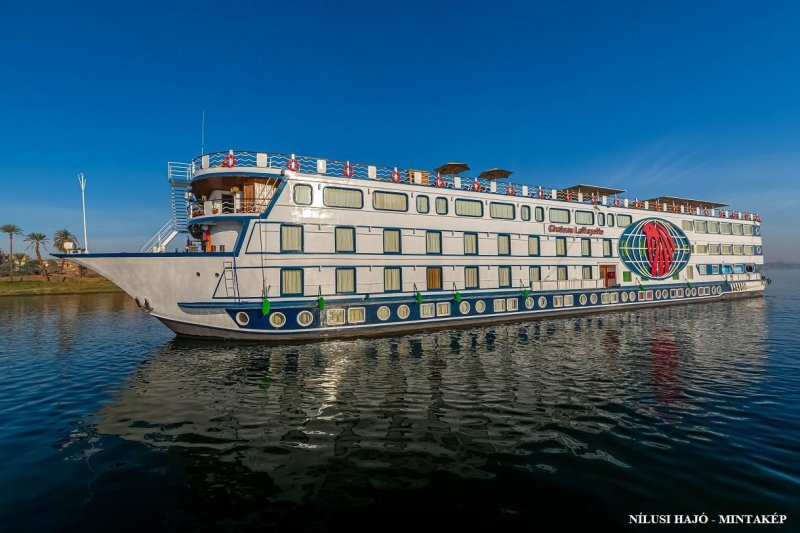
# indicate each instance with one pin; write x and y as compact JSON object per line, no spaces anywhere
{"x":108,"y":421}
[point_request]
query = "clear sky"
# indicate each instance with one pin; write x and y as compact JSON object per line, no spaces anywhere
{"x":688,"y":98}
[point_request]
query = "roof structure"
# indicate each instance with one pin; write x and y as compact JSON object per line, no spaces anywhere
{"x":589,"y":190}
{"x":688,"y":202}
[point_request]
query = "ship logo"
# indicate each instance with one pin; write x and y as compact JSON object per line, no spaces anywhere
{"x":654,"y":248}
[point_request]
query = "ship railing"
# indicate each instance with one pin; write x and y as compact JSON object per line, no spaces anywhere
{"x":218,"y":207}
{"x":356,"y":170}
{"x":162,"y":237}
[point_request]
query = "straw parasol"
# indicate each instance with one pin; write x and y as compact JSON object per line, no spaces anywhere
{"x":452,"y":169}
{"x":494,"y":174}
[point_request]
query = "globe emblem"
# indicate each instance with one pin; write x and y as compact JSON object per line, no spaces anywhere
{"x":654,"y":248}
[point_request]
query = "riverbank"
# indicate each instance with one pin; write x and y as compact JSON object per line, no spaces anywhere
{"x":89,"y":285}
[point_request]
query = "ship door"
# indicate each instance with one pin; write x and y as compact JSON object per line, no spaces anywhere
{"x":608,"y":273}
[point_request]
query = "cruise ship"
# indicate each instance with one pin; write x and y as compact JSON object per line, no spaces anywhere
{"x":276,"y":247}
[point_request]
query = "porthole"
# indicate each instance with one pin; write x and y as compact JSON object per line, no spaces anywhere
{"x":529,"y":303}
{"x":464,"y":307}
{"x":480,"y":306}
{"x":593,"y":299}
{"x":403,"y":312}
{"x":384,"y":313}
{"x":242,"y":318}
{"x":582,"y":299}
{"x":624,"y":297}
{"x":277,"y":320}
{"x":305,"y":318}
{"x":658,"y":294}
{"x":694,"y":291}
{"x":632,"y":296}
{"x":542,"y":302}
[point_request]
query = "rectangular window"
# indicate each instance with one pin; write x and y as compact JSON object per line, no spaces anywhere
{"x":335,"y":317}
{"x":392,"y":241}
{"x":748,"y":229}
{"x":512,"y":304}
{"x":423,"y":204}
{"x":586,"y":272}
{"x":626,"y":276}
{"x":291,"y":238}
{"x":610,"y":220}
{"x":443,"y":309}
{"x":560,"y":216}
{"x":748,"y":250}
{"x":538,"y":214}
{"x":426,"y":310}
{"x":302,"y":194}
{"x":687,"y":225}
{"x":558,"y":301}
{"x":607,"y":248}
{"x":345,"y":280}
{"x":340,"y":197}
{"x":726,"y":249}
{"x":689,"y":273}
{"x":433,"y":242}
{"x":501,"y":210}
{"x":503,"y":244}
{"x":700,"y":226}
{"x":624,"y":220}
{"x":441,"y":205}
{"x":533,"y":245}
{"x":535,"y":273}
{"x":470,"y":244}
{"x":702,"y":269}
{"x":702,"y":248}
{"x":725,"y":228}
{"x":356,"y":315}
{"x":737,"y":229}
{"x":499,"y":305}
{"x":525,"y":212}
{"x":392,"y":279}
{"x":584,"y":217}
{"x":586,"y":247}
{"x":569,"y":300}
{"x":713,"y":227}
{"x":469,"y":208}
{"x":504,"y":276}
{"x":715,"y":269}
{"x":738,"y":249}
{"x":390,"y":201}
{"x":713,"y":249}
{"x":561,"y":246}
{"x":291,"y":282}
{"x":471,"y":279}
{"x":601,"y":219}
{"x":345,"y":240}
{"x":433,"y":277}
{"x":561,"y":273}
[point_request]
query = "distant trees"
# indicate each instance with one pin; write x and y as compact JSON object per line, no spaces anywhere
{"x":38,"y":241}
{"x":61,"y":240}
{"x":11,"y":230}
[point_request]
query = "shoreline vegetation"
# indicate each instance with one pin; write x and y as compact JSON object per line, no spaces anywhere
{"x":69,"y":285}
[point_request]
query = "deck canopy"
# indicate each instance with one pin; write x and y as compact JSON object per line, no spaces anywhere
{"x":494,"y":174}
{"x":452,"y":169}
{"x":688,"y":202}
{"x":594,"y":190}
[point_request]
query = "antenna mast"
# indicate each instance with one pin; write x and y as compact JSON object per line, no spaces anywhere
{"x":203,"y":133}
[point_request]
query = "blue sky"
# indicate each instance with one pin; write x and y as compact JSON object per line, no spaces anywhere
{"x":696,"y":99}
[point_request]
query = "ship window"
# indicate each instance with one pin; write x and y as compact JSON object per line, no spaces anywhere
{"x":586,"y":247}
{"x":561,"y":273}
{"x":738,"y":269}
{"x":748,"y":229}
{"x":469,"y":208}
{"x":725,"y":228}
{"x":726,"y":249}
{"x":561,"y":246}
{"x":727,"y":269}
{"x":535,"y":273}
{"x":700,"y":226}
{"x":443,"y":309}
{"x":538,"y":214}
{"x":392,"y":241}
{"x":525,"y":212}
{"x":340,"y":197}
{"x":501,"y":210}
{"x":423,"y":204}
{"x":750,"y":268}
{"x":433,"y":242}
{"x":738,"y":249}
{"x":504,"y":276}
{"x":334,"y":317}
{"x":584,"y":217}
{"x":689,"y":273}
{"x":715,"y":269}
{"x":345,"y":240}
{"x":627,"y":276}
{"x":390,"y":201}
{"x":687,"y":225}
{"x":441,"y":205}
{"x":737,"y":229}
{"x":748,"y":250}
{"x":291,"y":282}
{"x":503,"y":244}
{"x":601,"y":219}
{"x":426,"y":310}
{"x":470,"y":244}
{"x":610,"y":220}
{"x":713,"y":249}
{"x":302,"y":194}
{"x":702,"y":269}
{"x":433,"y":277}
{"x":533,"y":245}
{"x":702,"y":248}
{"x":392,"y":277}
{"x":345,"y":280}
{"x":356,"y":315}
{"x":713,"y":227}
{"x":586,"y":272}
{"x":471,"y":279}
{"x":499,"y":305}
{"x":291,"y":238}
{"x":560,"y":216}
{"x":624,"y":220}
{"x":607,"y":250}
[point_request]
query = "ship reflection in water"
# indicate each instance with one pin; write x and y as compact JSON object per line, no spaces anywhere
{"x":621,"y":409}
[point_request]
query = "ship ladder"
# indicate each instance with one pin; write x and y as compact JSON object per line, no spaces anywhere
{"x":229,"y":274}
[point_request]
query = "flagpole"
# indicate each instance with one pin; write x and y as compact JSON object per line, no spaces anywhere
{"x":82,"y":182}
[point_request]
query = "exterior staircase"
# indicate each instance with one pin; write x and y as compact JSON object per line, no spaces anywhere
{"x":179,"y":175}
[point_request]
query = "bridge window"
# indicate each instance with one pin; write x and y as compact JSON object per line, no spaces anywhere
{"x":302,"y":194}
{"x":560,"y":216}
{"x":441,"y":205}
{"x":538,"y":214}
{"x":501,"y":210}
{"x":737,"y":229}
{"x":525,"y":212}
{"x":341,"y":197}
{"x":584,"y":217}
{"x":389,"y":201}
{"x":700,"y":226}
{"x":469,"y":208}
{"x":748,"y":229}
{"x":713,"y":227}
{"x":687,"y":225}
{"x":610,"y":220}
{"x":423,"y":204}
{"x":725,"y":228}
{"x":601,"y":219}
{"x":624,"y":220}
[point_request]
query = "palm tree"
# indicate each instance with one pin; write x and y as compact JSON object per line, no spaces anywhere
{"x":21,"y":259}
{"x":36,"y":241}
{"x":60,"y":239}
{"x":11,"y":229}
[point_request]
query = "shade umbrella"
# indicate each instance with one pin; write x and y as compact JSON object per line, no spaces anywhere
{"x":452,"y":169}
{"x":494,"y":174}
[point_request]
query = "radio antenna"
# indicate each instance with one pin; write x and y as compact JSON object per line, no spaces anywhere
{"x":203,"y":133}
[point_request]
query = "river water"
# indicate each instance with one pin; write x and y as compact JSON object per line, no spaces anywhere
{"x":109,"y":421}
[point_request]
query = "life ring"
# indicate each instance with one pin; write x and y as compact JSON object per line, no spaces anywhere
{"x":511,"y":191}
{"x":705,"y":211}
{"x":594,"y":200}
{"x":229,"y":161}
{"x":439,"y":182}
{"x":674,"y":208}
{"x":541,"y":193}
{"x":348,"y":170}
{"x":616,"y":202}
{"x":569,"y":196}
{"x":476,"y":186}
{"x":395,"y":176}
{"x":637,"y":205}
{"x":721,"y":213}
{"x":293,"y":165}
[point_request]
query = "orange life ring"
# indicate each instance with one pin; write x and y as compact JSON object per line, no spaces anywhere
{"x":439,"y":182}
{"x":229,"y":161}
{"x":721,"y":213}
{"x":476,"y":186}
{"x":569,"y":196}
{"x":348,"y":170}
{"x":637,"y":205}
{"x":293,"y":165}
{"x":511,"y":191}
{"x":395,"y":176}
{"x":594,"y":199}
{"x":541,"y":193}
{"x":674,"y":208}
{"x":616,"y":202}
{"x":705,"y":211}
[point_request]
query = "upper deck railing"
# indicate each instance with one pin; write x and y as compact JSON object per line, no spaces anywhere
{"x":237,"y":159}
